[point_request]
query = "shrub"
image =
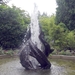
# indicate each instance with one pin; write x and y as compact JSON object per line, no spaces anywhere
{"x":62,"y":52}
{"x":9,"y":52}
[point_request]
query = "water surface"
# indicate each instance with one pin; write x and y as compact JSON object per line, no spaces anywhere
{"x":12,"y":66}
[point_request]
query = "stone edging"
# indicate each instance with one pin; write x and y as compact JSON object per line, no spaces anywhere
{"x":7,"y":56}
{"x":62,"y":57}
{"x":52,"y":56}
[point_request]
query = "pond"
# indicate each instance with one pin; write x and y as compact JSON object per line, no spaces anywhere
{"x":12,"y":66}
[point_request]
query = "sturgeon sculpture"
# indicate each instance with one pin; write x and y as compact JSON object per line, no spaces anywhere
{"x":36,"y":50}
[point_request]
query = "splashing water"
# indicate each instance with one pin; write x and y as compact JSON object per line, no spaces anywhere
{"x":35,"y":29}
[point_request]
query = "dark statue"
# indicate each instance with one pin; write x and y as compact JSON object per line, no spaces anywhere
{"x":30,"y":49}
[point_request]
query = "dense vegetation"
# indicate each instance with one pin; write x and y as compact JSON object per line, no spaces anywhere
{"x":59,"y":29}
{"x":13,"y":24}
{"x":59,"y":36}
{"x":66,"y":13}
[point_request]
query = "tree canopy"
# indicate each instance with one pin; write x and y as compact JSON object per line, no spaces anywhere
{"x":57,"y":35}
{"x":13,"y":23}
{"x":66,"y":13}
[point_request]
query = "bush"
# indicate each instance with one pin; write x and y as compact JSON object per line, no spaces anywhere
{"x":9,"y":52}
{"x":13,"y":24}
{"x":62,"y":52}
{"x":68,"y":52}
{"x":6,"y":52}
{"x":55,"y":52}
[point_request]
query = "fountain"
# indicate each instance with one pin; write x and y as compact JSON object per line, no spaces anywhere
{"x":36,"y":50}
{"x":34,"y":56}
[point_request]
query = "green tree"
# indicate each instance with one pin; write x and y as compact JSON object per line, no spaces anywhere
{"x":66,"y":13}
{"x":47,"y":23}
{"x":58,"y":34}
{"x":70,"y":40}
{"x":13,"y":23}
{"x":54,"y":34}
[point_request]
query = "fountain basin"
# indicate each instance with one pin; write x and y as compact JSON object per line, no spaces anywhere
{"x":12,"y":66}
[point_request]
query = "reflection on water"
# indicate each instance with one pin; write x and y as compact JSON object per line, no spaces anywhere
{"x":13,"y":67}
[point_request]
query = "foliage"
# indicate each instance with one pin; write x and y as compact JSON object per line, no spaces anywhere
{"x":62,"y":52}
{"x":8,"y":52}
{"x":59,"y":29}
{"x":59,"y":37}
{"x":13,"y":23}
{"x":66,"y":13}
{"x":55,"y":52}
{"x":70,"y":40}
{"x":68,"y":52}
{"x":47,"y":23}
